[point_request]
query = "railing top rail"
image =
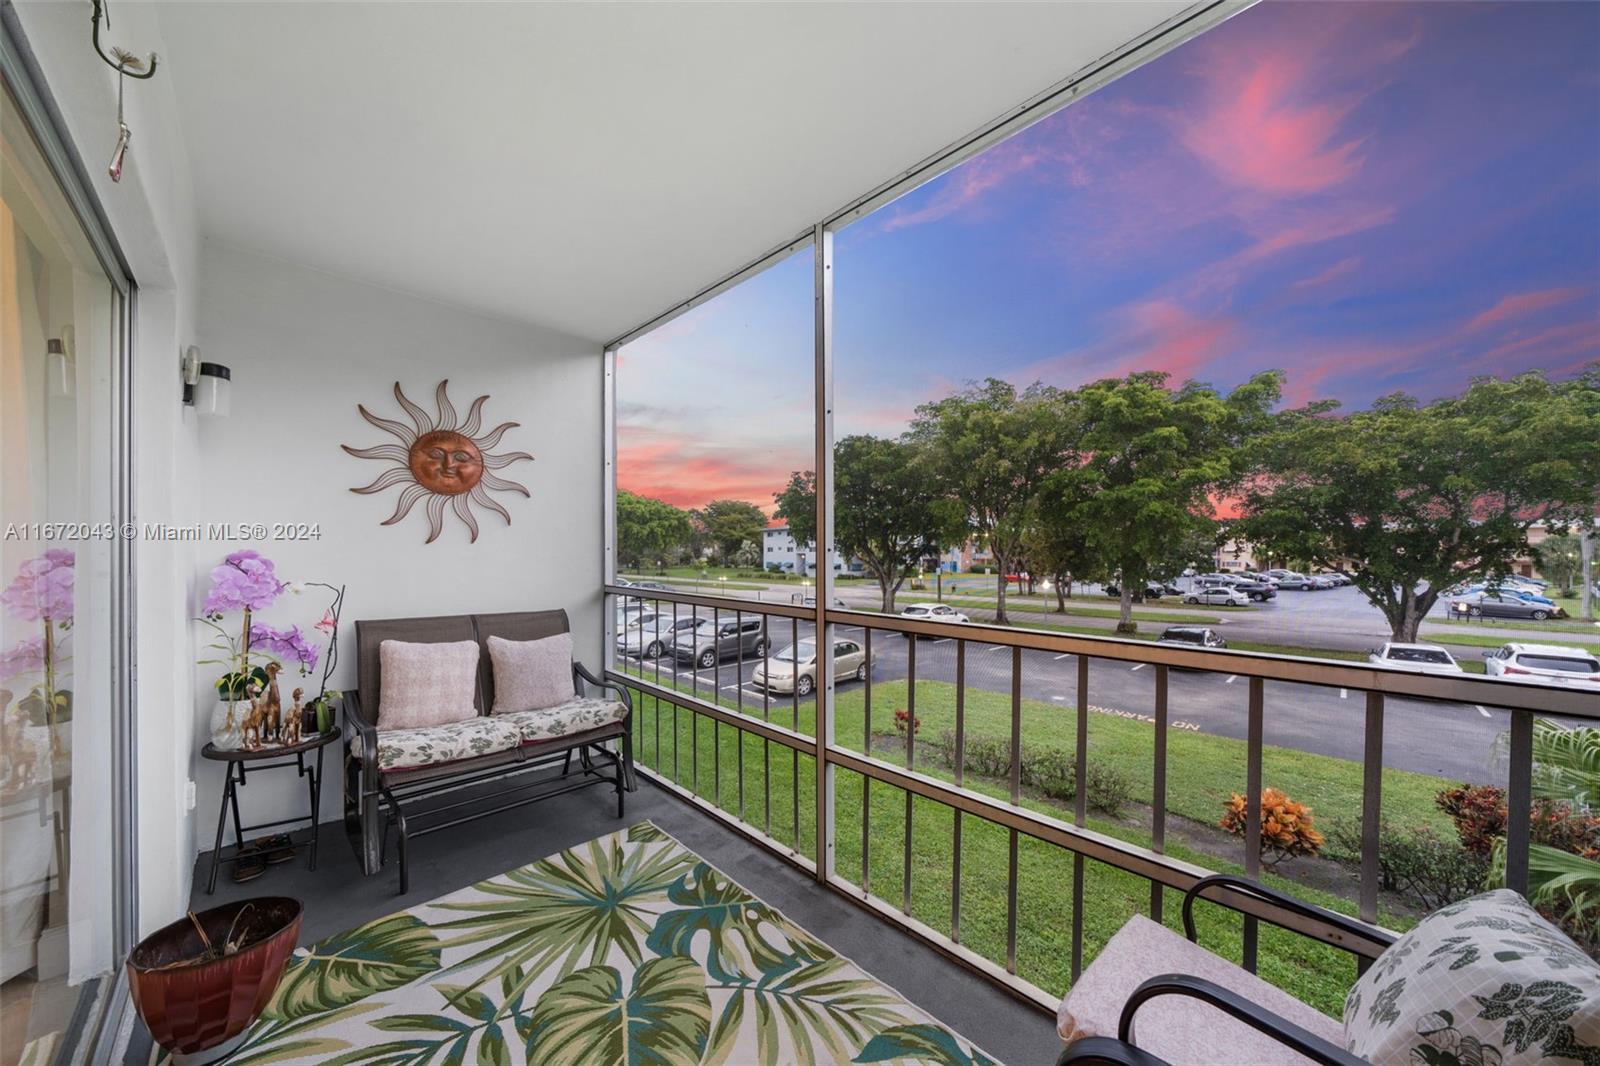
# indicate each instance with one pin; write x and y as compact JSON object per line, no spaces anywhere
{"x":1362,"y":677}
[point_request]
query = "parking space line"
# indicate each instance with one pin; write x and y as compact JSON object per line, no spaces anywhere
{"x":1059,"y":699}
{"x":1231,"y":679}
{"x":1344,"y":694}
{"x":1481,"y":711}
{"x":995,"y":647}
{"x":943,"y":640}
{"x":730,"y":688}
{"x":1063,"y":655}
{"x":1140,"y":666}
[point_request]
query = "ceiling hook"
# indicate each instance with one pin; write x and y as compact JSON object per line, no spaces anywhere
{"x":124,"y":63}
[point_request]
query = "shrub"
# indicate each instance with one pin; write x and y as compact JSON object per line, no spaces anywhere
{"x":1049,"y":770}
{"x":1286,"y":829}
{"x":1479,"y":812}
{"x":902,"y":719}
{"x":1417,"y":863}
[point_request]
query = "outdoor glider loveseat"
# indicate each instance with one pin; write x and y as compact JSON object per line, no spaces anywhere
{"x":486,"y":701}
{"x":1482,"y":982}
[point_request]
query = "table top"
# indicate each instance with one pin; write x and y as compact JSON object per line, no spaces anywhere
{"x":270,"y":751}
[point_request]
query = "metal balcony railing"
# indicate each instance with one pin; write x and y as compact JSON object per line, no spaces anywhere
{"x":804,"y":735}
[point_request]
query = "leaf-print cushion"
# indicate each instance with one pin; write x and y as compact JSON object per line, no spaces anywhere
{"x":1483,"y":981}
{"x":574,"y":716}
{"x":407,"y":749}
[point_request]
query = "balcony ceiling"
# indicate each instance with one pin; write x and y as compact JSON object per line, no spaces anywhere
{"x":584,"y":166}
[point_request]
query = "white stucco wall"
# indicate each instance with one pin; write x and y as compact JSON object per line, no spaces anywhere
{"x":305,"y":348}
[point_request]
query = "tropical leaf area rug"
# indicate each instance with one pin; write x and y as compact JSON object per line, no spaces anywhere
{"x":629,"y":949}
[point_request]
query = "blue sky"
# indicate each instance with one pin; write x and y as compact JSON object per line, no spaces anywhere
{"x":1369,"y":196}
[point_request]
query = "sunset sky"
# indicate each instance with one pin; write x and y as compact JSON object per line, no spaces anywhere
{"x":1372,"y":197}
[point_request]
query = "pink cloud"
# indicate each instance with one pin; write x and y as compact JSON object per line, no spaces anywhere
{"x":969,"y":183}
{"x":681,"y":470}
{"x":1258,"y":132}
{"x":1522,"y":303}
{"x":1333,"y":273}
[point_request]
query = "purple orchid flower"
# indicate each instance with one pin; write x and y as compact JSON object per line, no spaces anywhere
{"x":245,"y":579}
{"x":42,"y":589}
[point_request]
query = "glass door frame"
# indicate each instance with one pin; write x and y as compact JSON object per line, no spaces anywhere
{"x":43,"y":121}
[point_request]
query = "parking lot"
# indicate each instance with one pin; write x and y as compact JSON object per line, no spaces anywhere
{"x":1309,"y":718}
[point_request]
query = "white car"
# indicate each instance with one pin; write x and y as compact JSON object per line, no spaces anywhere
{"x":933,"y":612}
{"x":1550,"y":664}
{"x":1219,"y":595}
{"x":1424,"y":658}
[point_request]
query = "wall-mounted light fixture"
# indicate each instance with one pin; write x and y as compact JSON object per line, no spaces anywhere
{"x":205,"y":385}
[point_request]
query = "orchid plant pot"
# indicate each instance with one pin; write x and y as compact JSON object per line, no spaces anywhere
{"x":225,"y":718}
{"x":199,"y":992}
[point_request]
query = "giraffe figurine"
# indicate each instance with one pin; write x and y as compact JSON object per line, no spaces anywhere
{"x":272,"y":724}
{"x":291,"y":723}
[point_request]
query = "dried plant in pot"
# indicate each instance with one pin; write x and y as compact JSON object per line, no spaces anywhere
{"x":200,"y":982}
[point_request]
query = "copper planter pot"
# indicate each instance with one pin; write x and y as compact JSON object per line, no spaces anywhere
{"x":197,"y":1010}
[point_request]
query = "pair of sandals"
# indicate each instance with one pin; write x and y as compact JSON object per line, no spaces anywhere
{"x":259,"y":854}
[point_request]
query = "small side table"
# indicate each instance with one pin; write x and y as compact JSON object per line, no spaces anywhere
{"x":256,"y":761}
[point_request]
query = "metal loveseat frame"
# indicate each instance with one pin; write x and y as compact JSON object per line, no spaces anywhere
{"x":412,"y":800}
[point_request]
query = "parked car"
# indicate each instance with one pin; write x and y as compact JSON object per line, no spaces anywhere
{"x":1511,"y":590}
{"x":1260,"y":591}
{"x":1338,"y":578}
{"x":794,"y":669}
{"x":1289,"y":579}
{"x":708,"y":641}
{"x":1426,"y":658}
{"x":1153,"y":590}
{"x":651,"y":640}
{"x":1487,"y":604}
{"x":655,"y":586}
{"x":1255,"y":575}
{"x":1192,"y":637}
{"x":1545,"y":663}
{"x":933,"y":612}
{"x":1218,"y":596}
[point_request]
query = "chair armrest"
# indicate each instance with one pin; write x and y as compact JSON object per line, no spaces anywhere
{"x":1106,"y":1051}
{"x":1346,"y":925}
{"x":361,"y":732}
{"x":580,"y":673}
{"x":1231,"y":1003}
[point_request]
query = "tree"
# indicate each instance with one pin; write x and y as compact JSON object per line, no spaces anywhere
{"x":1149,"y":462}
{"x":1057,"y":545}
{"x":887,"y":511}
{"x":1560,"y":560}
{"x":797,"y":505}
{"x":1422,"y":497}
{"x":989,"y":448}
{"x":748,"y":555}
{"x":649,"y":529}
{"x":729,"y":523}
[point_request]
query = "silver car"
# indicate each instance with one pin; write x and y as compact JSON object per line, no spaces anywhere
{"x":1487,"y":604}
{"x":708,"y":641}
{"x":651,"y":639}
{"x":1220,"y":595}
{"x":794,"y":669}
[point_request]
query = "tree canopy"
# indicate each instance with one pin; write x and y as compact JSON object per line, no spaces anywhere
{"x":797,"y":505}
{"x":988,"y":449}
{"x":1413,"y":498}
{"x":728,"y":524}
{"x":649,"y":530}
{"x":887,"y":511}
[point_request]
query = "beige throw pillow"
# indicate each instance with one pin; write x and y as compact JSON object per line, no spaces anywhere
{"x":530,"y":675}
{"x":426,"y":684}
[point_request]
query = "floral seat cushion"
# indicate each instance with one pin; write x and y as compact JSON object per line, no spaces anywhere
{"x":1484,"y":981}
{"x":1178,"y":1029}
{"x":407,"y":749}
{"x":574,"y":716}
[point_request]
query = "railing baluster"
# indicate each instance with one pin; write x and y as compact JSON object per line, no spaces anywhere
{"x":1371,"y":805}
{"x":866,"y":782}
{"x":738,"y":680}
{"x":1519,"y":801}
{"x":1016,"y":726}
{"x":1011,"y":907}
{"x":911,"y":701}
{"x":794,"y":724}
{"x":716,"y":657}
{"x":1079,"y":811}
{"x":1158,"y":811}
{"x":960,"y":768}
{"x":676,"y":773}
{"x":1252,"y":825}
{"x":905,"y":884}
{"x":866,"y":717}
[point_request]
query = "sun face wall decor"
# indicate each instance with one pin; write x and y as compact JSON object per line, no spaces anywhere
{"x":448,"y":462}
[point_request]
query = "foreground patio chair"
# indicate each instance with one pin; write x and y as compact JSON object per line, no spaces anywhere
{"x":395,"y":777}
{"x":1485,"y":981}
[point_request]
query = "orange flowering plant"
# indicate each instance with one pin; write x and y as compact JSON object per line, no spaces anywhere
{"x":1286,"y":829}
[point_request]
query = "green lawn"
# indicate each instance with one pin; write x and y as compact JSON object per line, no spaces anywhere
{"x":1202,"y":772}
{"x":1489,"y":640}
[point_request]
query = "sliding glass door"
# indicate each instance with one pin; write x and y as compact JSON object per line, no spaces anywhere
{"x":62,"y":796}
